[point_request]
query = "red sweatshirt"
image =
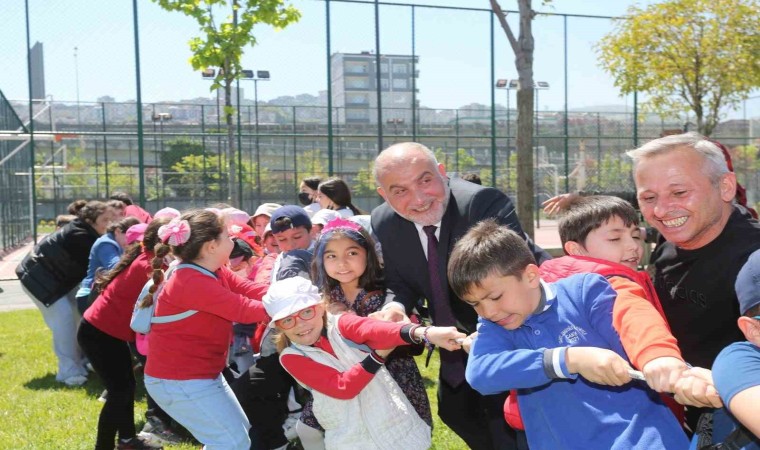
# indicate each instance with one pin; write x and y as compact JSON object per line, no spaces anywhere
{"x":345,"y":385}
{"x":112,"y":310}
{"x":196,"y":347}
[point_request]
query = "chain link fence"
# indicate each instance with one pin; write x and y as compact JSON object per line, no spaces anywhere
{"x":427,"y":56}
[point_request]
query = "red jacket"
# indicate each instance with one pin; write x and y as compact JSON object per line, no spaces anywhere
{"x":643,"y":330}
{"x":112,"y":310}
{"x":196,"y":347}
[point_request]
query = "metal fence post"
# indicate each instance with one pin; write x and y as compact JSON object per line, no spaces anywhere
{"x":140,"y":144}
{"x":493,"y":108}
{"x":32,"y":181}
{"x":567,"y":144}
{"x":329,"y":93}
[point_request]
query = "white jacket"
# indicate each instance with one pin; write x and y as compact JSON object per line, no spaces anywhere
{"x":380,"y":417}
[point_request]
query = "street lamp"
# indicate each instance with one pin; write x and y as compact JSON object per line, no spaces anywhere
{"x":507,"y":85}
{"x":260,"y":75}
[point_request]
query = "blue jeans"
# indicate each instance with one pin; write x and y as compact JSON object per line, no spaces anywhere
{"x":207,"y":408}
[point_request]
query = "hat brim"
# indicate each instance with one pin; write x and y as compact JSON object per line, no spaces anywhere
{"x":293,"y":308}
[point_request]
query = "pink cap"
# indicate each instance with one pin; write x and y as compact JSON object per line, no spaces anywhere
{"x":166,"y":212}
{"x":136,"y":233}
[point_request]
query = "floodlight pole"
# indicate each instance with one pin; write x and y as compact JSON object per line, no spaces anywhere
{"x":140,"y":143}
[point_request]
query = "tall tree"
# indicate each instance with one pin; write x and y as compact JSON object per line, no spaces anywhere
{"x":222,"y":46}
{"x":523,"y":47}
{"x":697,"y":56}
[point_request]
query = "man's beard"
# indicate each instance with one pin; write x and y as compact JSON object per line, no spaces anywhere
{"x":434,"y":214}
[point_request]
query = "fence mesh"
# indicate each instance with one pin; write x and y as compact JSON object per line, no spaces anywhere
{"x":436,"y":80}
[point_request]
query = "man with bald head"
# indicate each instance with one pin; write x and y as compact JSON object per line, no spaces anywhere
{"x":423,"y":216}
{"x":686,"y":192}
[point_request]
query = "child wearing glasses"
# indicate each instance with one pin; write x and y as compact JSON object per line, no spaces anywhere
{"x":340,"y":359}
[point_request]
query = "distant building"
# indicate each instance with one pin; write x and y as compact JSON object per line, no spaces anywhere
{"x":38,"y":71}
{"x":354,"y":87}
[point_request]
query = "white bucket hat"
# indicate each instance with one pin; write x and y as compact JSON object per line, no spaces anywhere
{"x":287,"y":297}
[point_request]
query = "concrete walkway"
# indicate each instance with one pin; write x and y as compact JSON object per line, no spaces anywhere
{"x":12,"y":297}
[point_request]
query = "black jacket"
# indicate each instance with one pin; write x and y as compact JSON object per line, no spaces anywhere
{"x":58,"y":263}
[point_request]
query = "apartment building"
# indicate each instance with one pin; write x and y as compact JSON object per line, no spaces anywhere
{"x":354,"y":87}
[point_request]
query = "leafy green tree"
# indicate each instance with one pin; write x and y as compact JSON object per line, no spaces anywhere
{"x":460,"y":162}
{"x":506,"y":179}
{"x":222,"y":46}
{"x":311,"y":163}
{"x":202,"y":177}
{"x":687,"y":55}
{"x":746,"y":166}
{"x":178,"y":149}
{"x":364,"y":184}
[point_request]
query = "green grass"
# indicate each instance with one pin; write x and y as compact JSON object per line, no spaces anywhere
{"x":36,"y":412}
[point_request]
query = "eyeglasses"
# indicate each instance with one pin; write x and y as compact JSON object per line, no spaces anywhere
{"x":289,"y":322}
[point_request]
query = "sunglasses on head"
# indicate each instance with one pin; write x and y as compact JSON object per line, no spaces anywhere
{"x":289,"y":322}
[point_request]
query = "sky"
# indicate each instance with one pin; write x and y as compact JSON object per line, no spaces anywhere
{"x":453,"y":48}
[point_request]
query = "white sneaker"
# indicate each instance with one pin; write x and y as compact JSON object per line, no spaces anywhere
{"x":289,"y":426}
{"x":76,"y":380}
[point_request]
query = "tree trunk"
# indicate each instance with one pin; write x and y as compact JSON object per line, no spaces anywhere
{"x":525,"y":190}
{"x":523,"y":50}
{"x":232,"y":194}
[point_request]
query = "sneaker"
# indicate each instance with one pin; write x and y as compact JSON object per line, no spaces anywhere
{"x":157,"y":432}
{"x":76,"y":380}
{"x":104,"y":396}
{"x":289,"y":426}
{"x":137,"y":443}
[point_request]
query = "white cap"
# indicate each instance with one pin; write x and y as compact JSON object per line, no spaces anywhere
{"x":287,"y":297}
{"x":364,"y":220}
{"x":323,"y":216}
{"x":266,"y":209}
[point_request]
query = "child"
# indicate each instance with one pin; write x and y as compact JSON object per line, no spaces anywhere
{"x":737,"y":367}
{"x":355,"y":399}
{"x":320,"y":219}
{"x":104,"y":254}
{"x":260,"y":218}
{"x":350,"y":277}
{"x":601,"y":235}
{"x":538,"y":337}
{"x":187,"y":356}
{"x":104,"y":334}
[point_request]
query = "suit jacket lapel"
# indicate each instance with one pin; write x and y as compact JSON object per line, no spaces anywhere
{"x":444,"y":240}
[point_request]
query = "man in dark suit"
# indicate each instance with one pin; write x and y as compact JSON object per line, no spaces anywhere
{"x":425,"y":213}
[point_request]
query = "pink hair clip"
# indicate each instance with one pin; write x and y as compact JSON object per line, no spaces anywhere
{"x":341,"y":223}
{"x":176,"y":232}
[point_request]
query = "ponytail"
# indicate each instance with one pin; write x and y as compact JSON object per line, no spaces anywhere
{"x":161,"y":250}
